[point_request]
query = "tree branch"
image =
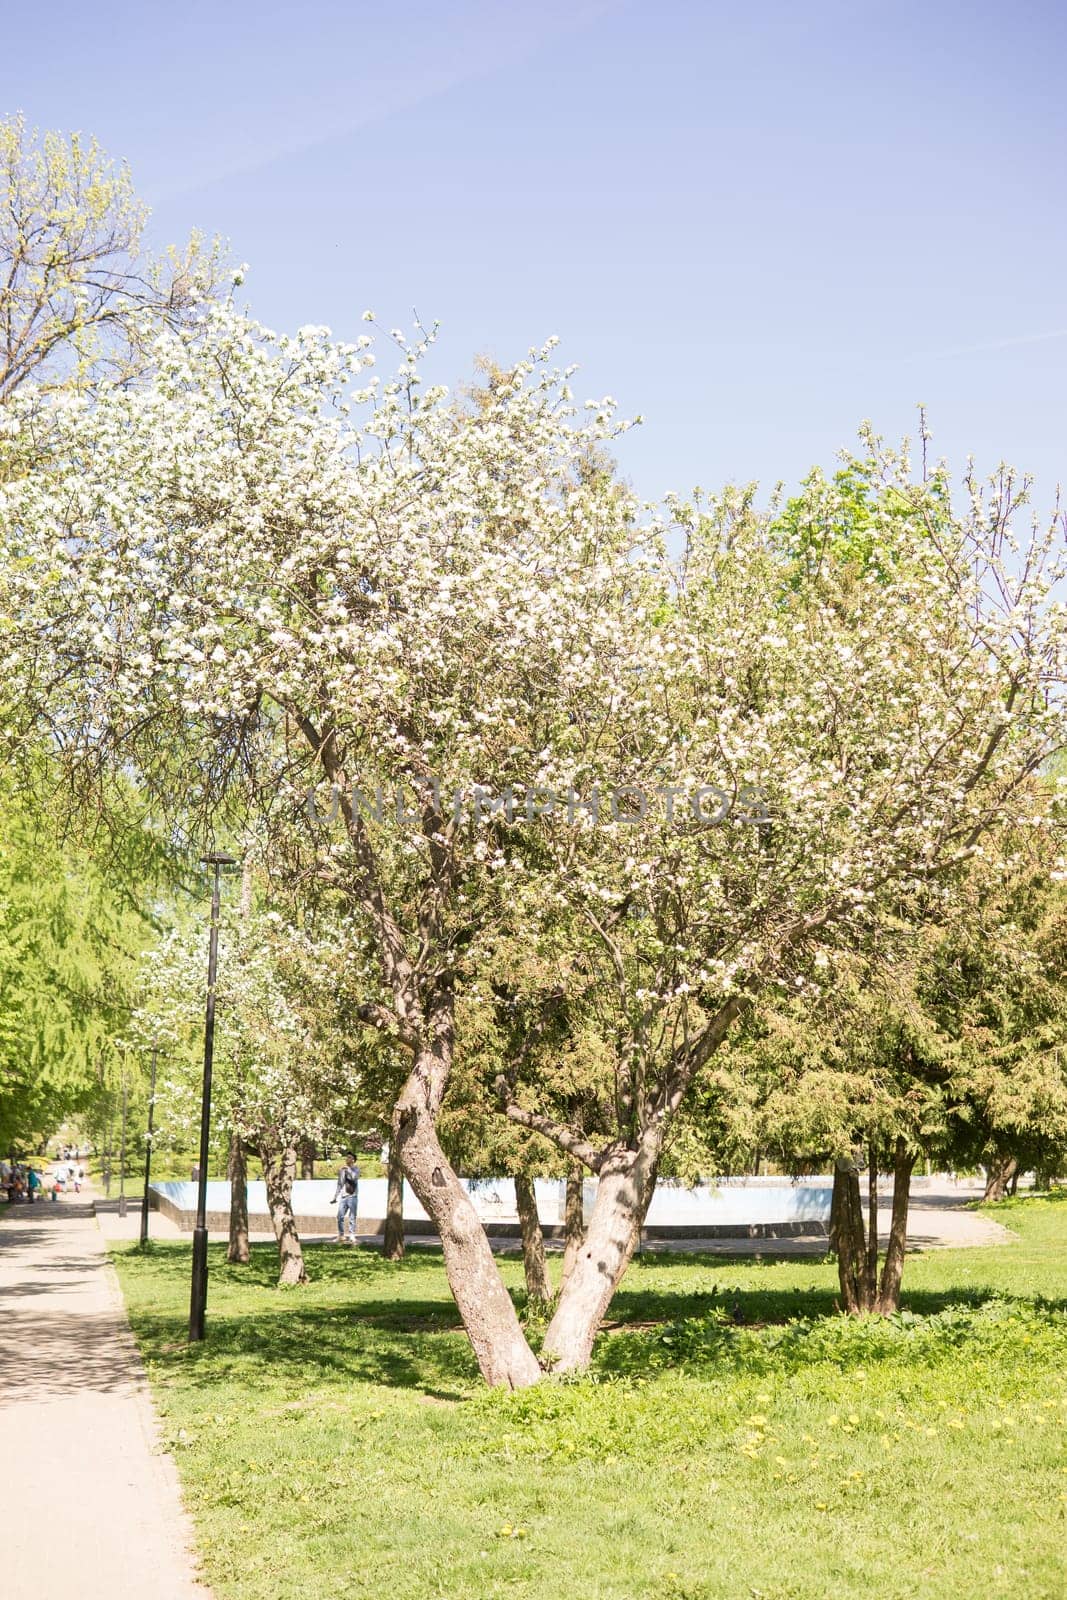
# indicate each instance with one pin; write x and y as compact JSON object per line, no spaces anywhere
{"x":564,"y":1138}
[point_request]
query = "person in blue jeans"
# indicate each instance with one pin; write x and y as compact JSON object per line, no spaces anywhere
{"x":346,"y":1197}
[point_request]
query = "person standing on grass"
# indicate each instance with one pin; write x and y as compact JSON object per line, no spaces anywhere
{"x":346,"y":1196}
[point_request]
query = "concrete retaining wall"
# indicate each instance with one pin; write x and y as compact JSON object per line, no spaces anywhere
{"x":734,"y":1209}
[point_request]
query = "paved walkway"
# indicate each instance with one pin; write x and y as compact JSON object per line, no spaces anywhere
{"x":89,"y":1504}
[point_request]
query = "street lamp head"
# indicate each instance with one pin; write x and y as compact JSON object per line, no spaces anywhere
{"x":218,"y":858}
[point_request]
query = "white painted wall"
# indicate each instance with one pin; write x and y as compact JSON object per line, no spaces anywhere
{"x":733,"y":1202}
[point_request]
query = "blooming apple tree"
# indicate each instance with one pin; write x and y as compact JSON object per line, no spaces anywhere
{"x":862,"y":720}
{"x":261,"y":572}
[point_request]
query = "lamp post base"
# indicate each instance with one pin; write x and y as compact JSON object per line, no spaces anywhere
{"x":198,"y":1298}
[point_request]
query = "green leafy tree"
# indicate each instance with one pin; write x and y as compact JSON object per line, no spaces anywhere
{"x":77,"y":280}
{"x":71,"y":930}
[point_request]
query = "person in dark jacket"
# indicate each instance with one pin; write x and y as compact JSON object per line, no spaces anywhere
{"x":346,"y":1198}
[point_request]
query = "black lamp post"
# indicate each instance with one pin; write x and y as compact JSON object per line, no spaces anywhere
{"x":198,"y":1297}
{"x":122,"y":1147}
{"x":148,"y":1150}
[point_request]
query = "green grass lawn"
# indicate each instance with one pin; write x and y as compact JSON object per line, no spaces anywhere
{"x":736,"y":1438}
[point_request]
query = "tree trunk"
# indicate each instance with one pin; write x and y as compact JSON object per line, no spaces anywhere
{"x":623,"y":1195}
{"x":837,"y":1206}
{"x":871,"y":1274}
{"x":533,"y":1242}
{"x":237,"y":1172}
{"x":489,"y":1317}
{"x":573,"y":1220}
{"x":279,"y":1170}
{"x":999,"y":1174}
{"x":393,"y":1245}
{"x":852,"y":1269}
{"x":307,"y":1158}
{"x":893,"y":1266}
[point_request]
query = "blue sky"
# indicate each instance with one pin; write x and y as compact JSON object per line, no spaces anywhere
{"x":754,"y":224}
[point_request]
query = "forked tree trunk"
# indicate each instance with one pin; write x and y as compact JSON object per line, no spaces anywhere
{"x":893,"y":1265}
{"x":489,"y":1317}
{"x":279,"y":1170}
{"x":393,"y":1243}
{"x":863,"y":1292}
{"x":573,"y":1220}
{"x":624,"y":1190}
{"x":999,"y":1174}
{"x":533,"y":1242}
{"x":237,"y":1173}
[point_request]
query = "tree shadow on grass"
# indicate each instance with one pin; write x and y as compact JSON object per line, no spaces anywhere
{"x":361,"y":1320}
{"x":757,"y":1308}
{"x":641,"y":1300}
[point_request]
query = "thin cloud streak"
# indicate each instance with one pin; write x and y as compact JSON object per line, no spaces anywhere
{"x":435,"y":84}
{"x":989,"y":345}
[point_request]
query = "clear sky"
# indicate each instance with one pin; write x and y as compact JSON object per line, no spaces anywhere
{"x":756,"y":224}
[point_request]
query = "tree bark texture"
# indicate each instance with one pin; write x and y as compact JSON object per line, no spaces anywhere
{"x":624,"y":1191}
{"x":573,"y":1220}
{"x":872,"y":1219}
{"x":533,"y":1242}
{"x":893,"y":1265}
{"x":851,"y":1240}
{"x":863,"y":1291}
{"x":837,"y":1201}
{"x":237,"y":1173}
{"x":279,"y":1170}
{"x":489,"y":1317}
{"x":999,"y":1173}
{"x":393,"y":1244}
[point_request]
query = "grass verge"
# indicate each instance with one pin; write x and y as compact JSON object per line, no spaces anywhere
{"x":736,"y":1437}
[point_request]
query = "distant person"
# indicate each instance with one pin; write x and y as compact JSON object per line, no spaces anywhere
{"x":33,"y":1183}
{"x":346,"y":1197}
{"x":79,"y":1179}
